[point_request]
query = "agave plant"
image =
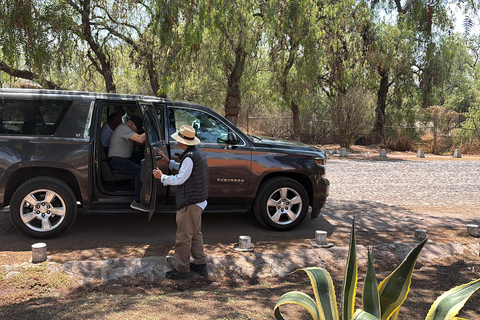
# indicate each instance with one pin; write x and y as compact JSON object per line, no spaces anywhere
{"x":379,"y":302}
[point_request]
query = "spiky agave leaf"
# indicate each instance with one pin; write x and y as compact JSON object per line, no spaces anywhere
{"x":363,"y":315}
{"x":350,"y":278}
{"x":370,"y":296}
{"x":298,"y":298}
{"x":394,"y":316}
{"x":324,"y":307}
{"x":449,"y":304}
{"x":393,"y":290}
{"x":324,"y":292}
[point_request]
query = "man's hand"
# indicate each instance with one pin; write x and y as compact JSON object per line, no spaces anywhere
{"x":157,"y":173}
{"x":161,"y":154}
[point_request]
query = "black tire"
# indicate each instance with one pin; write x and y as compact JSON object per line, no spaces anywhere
{"x":274,"y":207}
{"x":43,"y":207}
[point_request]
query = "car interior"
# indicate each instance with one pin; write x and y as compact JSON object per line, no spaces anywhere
{"x":113,"y":181}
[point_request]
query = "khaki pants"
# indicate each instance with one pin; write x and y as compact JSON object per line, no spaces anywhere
{"x":189,"y":238}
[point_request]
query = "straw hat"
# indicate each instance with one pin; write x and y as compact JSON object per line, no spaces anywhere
{"x":186,"y":135}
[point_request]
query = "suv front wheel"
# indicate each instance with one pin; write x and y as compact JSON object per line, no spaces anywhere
{"x":43,"y":207}
{"x":281,"y":204}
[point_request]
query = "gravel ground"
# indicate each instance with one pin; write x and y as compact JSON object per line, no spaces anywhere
{"x":399,"y":193}
{"x":403,"y":183}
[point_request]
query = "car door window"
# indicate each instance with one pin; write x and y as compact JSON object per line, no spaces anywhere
{"x":207,"y":128}
{"x":32,"y":117}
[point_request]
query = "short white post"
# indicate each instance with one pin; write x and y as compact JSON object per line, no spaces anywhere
{"x":321,"y":240}
{"x":320,"y":237}
{"x":343,"y":152}
{"x":383,"y":153}
{"x":39,"y":252}
{"x":457,"y":154}
{"x":420,"y":235}
{"x":420,"y":153}
{"x":244,"y":243}
{"x":472,"y":229}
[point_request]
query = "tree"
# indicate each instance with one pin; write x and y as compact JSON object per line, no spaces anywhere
{"x":352,"y":115}
{"x":150,"y":29}
{"x":86,"y":24}
{"x":292,"y":30}
{"x":227,"y":34}
{"x":460,"y":91}
{"x":389,"y":53}
{"x":31,"y":40}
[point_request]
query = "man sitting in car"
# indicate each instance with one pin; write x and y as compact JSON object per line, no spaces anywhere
{"x":120,"y":154}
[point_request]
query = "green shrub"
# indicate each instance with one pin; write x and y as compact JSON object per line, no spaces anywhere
{"x":379,"y":302}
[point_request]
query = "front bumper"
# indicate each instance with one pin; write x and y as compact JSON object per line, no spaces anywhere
{"x":321,"y":197}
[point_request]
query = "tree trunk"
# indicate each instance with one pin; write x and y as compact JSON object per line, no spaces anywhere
{"x":381,"y":105}
{"x":103,"y":64}
{"x":284,"y":89}
{"x":233,"y":99}
{"x":296,"y":120}
{"x":152,"y":75}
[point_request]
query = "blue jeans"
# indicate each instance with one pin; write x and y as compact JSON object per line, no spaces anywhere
{"x":128,"y":166}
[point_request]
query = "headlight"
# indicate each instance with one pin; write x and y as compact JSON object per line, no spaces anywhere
{"x":321,"y":161}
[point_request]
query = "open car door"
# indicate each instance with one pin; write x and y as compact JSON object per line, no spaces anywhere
{"x":154,"y":140}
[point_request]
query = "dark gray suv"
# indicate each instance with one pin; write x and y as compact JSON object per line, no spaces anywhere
{"x":52,"y":162}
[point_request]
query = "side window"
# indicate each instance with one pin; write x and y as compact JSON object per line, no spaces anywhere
{"x":152,"y":133}
{"x":208,"y":129}
{"x":32,"y":117}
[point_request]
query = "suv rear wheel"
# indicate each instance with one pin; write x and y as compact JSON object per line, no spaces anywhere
{"x":43,"y":207}
{"x":281,"y":204}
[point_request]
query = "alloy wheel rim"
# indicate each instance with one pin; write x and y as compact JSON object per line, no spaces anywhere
{"x":42,"y":210}
{"x":284,"y":206}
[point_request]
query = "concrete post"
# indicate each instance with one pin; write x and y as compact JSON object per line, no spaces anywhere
{"x":420,"y":235}
{"x":383,"y":153}
{"x":244,"y":244}
{"x":39,"y":252}
{"x":457,"y":154}
{"x":320,"y":237}
{"x":321,"y":240}
{"x":420,"y":153}
{"x":343,"y":152}
{"x":472,"y":229}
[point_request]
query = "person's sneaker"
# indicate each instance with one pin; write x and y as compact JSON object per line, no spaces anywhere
{"x":138,"y":206}
{"x":201,"y":269}
{"x":176,"y":275}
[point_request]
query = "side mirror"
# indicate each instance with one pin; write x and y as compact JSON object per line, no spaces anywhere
{"x":232,"y":138}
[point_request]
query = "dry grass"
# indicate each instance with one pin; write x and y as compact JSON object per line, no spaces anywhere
{"x":44,"y":292}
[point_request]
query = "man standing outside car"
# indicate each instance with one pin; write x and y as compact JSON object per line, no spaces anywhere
{"x":120,"y":154}
{"x":191,"y":199}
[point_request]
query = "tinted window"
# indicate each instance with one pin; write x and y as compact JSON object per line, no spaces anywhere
{"x":207,"y":128}
{"x":32,"y":117}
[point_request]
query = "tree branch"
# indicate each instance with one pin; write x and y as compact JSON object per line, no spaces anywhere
{"x":28,"y":75}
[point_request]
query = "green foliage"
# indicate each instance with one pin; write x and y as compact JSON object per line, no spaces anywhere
{"x":260,"y":58}
{"x":470,"y":131}
{"x":352,"y":115}
{"x":379,"y":303}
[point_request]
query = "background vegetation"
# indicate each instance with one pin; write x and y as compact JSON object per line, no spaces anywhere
{"x":342,"y":71}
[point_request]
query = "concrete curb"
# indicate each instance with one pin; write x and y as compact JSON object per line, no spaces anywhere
{"x":254,"y":264}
